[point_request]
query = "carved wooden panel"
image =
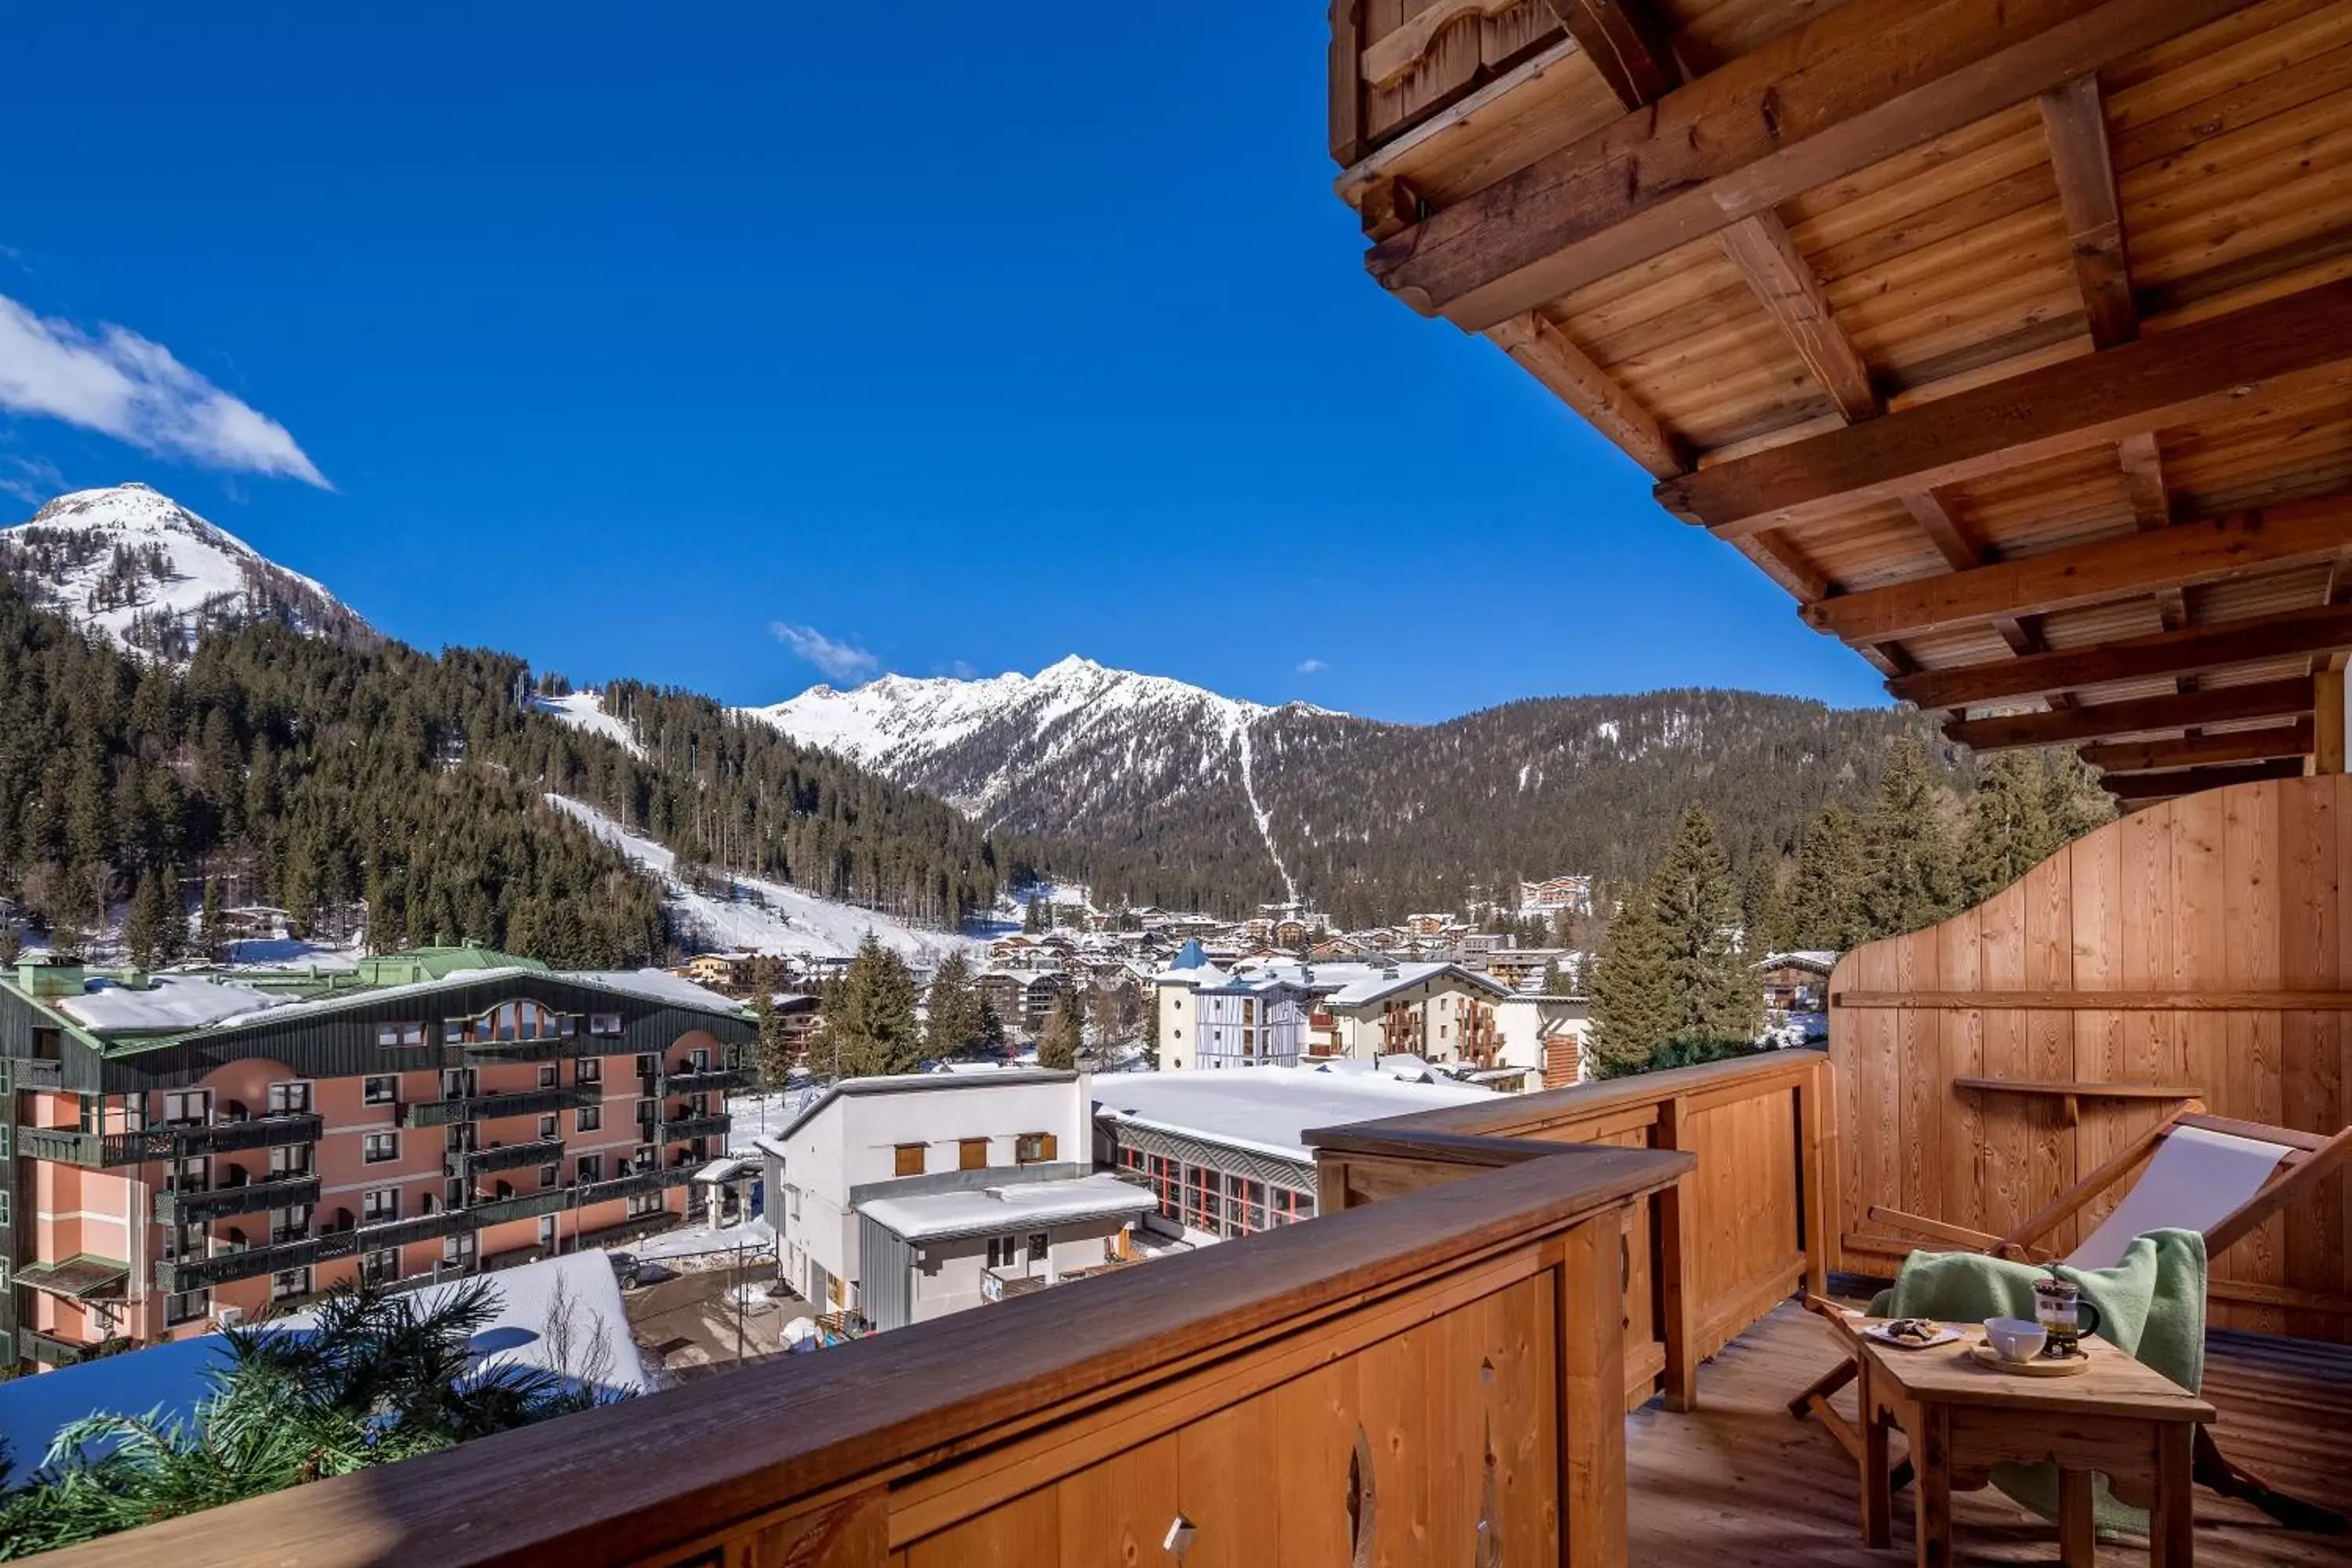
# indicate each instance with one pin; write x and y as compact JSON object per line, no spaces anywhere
{"x":1418,"y":55}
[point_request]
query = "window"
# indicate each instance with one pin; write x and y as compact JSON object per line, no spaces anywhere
{"x":187,"y":1108}
{"x":380,"y":1147}
{"x":380,"y":1091}
{"x":604,"y":1023}
{"x":1244,"y":1206}
{"x":379,"y":1204}
{"x":547,"y":1075}
{"x":1040,"y":1244}
{"x":399,"y":1035}
{"x":1130,"y":1159}
{"x":1167,"y":1183}
{"x":289,"y":1159}
{"x":588,"y":1069}
{"x":645,"y":1159}
{"x":187,"y":1306}
{"x":971,"y":1155}
{"x":643,"y":1204}
{"x":547,"y":1126}
{"x":590,"y":1168}
{"x":289,"y":1282}
{"x":1204,"y":1208}
{"x":288,"y":1099}
{"x":1284,"y":1206}
{"x":549,"y":1175}
{"x":379,"y":1268}
{"x":647,"y":1066}
{"x":1033,"y":1148}
{"x":908,"y":1160}
{"x":4,"y":1208}
{"x":1003,"y":1251}
{"x":458,"y":1249}
{"x":454,"y":1032}
{"x":588,"y":1119}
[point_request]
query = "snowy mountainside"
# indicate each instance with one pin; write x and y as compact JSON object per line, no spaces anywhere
{"x":763,"y":917}
{"x":136,"y":566}
{"x":1162,"y":792}
{"x":585,"y":710}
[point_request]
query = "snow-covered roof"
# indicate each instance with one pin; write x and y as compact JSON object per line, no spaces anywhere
{"x":173,"y":1378}
{"x":930,"y":1216}
{"x":1820,"y":959}
{"x":1357,"y":984}
{"x":1268,"y":1108}
{"x":171,"y":1004}
{"x":911,"y":1083}
{"x":658,"y":986}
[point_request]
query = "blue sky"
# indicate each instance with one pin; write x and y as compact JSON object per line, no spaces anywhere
{"x":628,"y":336}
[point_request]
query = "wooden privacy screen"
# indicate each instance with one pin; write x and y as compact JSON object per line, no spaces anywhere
{"x":2200,"y":947}
{"x":1702,"y":1259}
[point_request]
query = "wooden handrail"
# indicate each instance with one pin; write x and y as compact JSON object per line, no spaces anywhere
{"x":663,"y":1479}
{"x":2104,"y":1000}
{"x":2080,"y":1088}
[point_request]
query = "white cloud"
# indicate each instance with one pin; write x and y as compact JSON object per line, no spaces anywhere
{"x":129,"y":387}
{"x":31,"y":479}
{"x":1312,"y":667}
{"x":841,"y":660}
{"x":962,"y":668}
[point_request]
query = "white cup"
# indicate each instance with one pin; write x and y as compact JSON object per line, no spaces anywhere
{"x":2015,"y":1338}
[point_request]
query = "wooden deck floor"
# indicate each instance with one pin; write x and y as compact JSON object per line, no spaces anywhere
{"x":1740,"y":1482}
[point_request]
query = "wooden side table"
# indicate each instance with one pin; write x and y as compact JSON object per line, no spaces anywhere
{"x":2119,"y":1419}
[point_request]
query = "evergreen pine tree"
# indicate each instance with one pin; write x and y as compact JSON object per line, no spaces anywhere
{"x":952,"y":1025}
{"x":1552,"y":983}
{"x":1824,"y":898}
{"x":1763,"y":913}
{"x":870,"y":1022}
{"x":172,"y":939}
{"x":2010,"y":831}
{"x":1632,"y":998}
{"x":1910,"y":876}
{"x":212,"y":929}
{"x":1033,"y":916}
{"x":2071,"y":797}
{"x":772,"y":1054}
{"x":1064,"y":1036}
{"x":142,"y":928}
{"x":1672,"y":970}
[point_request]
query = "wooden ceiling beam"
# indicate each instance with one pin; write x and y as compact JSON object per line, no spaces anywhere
{"x":1779,"y":558}
{"x":2161,"y":655}
{"x":2210,"y":550}
{"x":1849,"y":88}
{"x":2189,"y":781}
{"x":1783,"y":281}
{"x":2294,"y":740}
{"x":1627,"y":45}
{"x":2075,"y":121}
{"x":2280,"y":348}
{"x":1543,"y":352}
{"x":2140,"y":716}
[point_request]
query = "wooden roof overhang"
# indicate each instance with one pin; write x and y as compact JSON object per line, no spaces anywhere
{"x":2013,"y":338}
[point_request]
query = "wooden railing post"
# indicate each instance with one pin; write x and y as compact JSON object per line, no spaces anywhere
{"x":1677,"y":1257}
{"x":1592,"y":1294}
{"x":1813,"y":1171}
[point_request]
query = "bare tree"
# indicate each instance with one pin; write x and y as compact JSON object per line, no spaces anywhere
{"x":576,"y":1348}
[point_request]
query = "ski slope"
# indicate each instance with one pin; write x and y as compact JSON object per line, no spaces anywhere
{"x":765,"y":917}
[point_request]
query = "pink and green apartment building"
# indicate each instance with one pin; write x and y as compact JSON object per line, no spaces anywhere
{"x":189,"y":1149}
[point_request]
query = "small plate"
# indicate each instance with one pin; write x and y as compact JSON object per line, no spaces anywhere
{"x":1944,"y":1336}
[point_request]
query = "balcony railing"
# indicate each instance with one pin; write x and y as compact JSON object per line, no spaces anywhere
{"x":47,"y":1349}
{"x":69,"y":1147}
{"x":705,"y":1080}
{"x":678,"y":1129}
{"x":251,"y":1198}
{"x":955,"y":1437}
{"x":36,"y":1072}
{"x":488,"y":1107}
{"x":504,"y":1157}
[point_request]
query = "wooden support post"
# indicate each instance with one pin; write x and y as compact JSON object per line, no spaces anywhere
{"x":1677,"y":1257}
{"x":1592,"y":1294}
{"x":2327,"y":716}
{"x":1813,"y":1171}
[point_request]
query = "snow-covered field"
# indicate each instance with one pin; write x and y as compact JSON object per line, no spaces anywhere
{"x":765,"y":917}
{"x":754,"y":1115}
{"x":585,"y":710}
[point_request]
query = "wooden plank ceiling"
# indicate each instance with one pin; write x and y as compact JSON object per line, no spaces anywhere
{"x":2013,"y":338}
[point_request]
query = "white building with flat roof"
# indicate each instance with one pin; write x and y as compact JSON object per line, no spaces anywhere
{"x":1224,"y":1154}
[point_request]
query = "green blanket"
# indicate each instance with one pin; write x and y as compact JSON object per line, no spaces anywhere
{"x":2151,"y":1306}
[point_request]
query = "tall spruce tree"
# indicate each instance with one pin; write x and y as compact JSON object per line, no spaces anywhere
{"x":1910,"y":875}
{"x":869,"y":1017}
{"x":1763,"y":911}
{"x":773,"y":1054}
{"x":2010,"y":831}
{"x":952,"y":1024}
{"x":1674,"y":969}
{"x":1824,"y":900}
{"x":142,"y":927}
{"x":1065,"y":1033}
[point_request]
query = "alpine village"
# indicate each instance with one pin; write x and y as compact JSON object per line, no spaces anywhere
{"x":463,"y":1117}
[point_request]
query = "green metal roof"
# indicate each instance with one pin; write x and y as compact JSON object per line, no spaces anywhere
{"x":421,"y":964}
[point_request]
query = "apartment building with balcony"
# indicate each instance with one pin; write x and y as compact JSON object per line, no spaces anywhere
{"x":190,"y":1149}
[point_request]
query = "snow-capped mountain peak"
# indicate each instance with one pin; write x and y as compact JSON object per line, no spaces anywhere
{"x":132,"y":563}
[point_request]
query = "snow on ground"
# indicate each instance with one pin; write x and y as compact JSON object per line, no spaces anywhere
{"x":751,"y":1237}
{"x":293,"y":953}
{"x":585,"y":710}
{"x":765,"y":917}
{"x":172,"y":1002}
{"x":764,"y":1115}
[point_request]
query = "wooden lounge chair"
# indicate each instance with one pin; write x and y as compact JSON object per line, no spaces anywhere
{"x":2208,"y":1174}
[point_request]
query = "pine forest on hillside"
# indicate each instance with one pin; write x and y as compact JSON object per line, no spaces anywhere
{"x":280,"y":769}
